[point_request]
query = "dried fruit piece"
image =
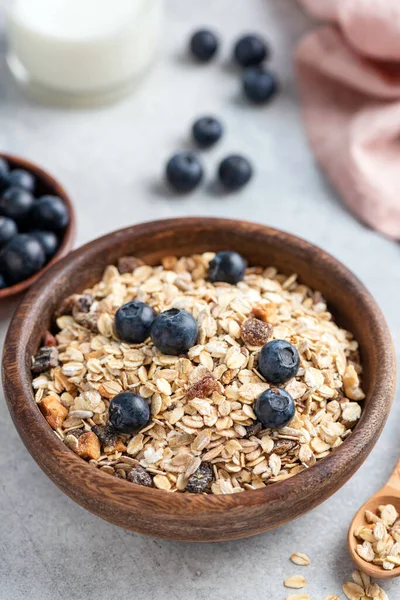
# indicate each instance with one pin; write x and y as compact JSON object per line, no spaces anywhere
{"x":200,"y":479}
{"x":295,"y":582}
{"x":106,"y":434}
{"x":89,"y":446}
{"x":140,"y":476}
{"x":127,"y":264}
{"x":45,"y":359}
{"x":265,"y":312}
{"x":255,"y":332}
{"x":298,"y":558}
{"x":253,"y":429}
{"x":203,"y":388}
{"x":53,"y":411}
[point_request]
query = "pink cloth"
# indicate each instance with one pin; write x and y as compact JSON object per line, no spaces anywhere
{"x":349,"y":75}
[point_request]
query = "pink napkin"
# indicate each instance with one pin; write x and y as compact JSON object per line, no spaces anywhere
{"x":349,"y":74}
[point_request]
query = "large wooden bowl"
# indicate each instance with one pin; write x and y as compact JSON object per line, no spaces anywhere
{"x":185,"y":516}
{"x":45,"y":184}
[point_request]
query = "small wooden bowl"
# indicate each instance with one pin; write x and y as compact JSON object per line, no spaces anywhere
{"x":46,"y":184}
{"x":185,"y":516}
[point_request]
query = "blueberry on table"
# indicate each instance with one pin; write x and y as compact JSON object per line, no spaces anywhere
{"x":48,"y":240}
{"x":22,"y":179}
{"x":259,"y":85}
{"x":50,"y":213}
{"x":250,"y":50}
{"x":275,"y":408}
{"x":207,"y":131}
{"x":184,"y":171}
{"x":234,"y":172}
{"x":278,"y":361}
{"x":174,"y":332}
{"x":203,"y":45}
{"x":16,"y":203}
{"x":4,"y":173}
{"x":8,"y":228}
{"x":133,"y":322}
{"x":128,"y":412}
{"x":22,"y":257}
{"x":3,"y":283}
{"x":227,"y":266}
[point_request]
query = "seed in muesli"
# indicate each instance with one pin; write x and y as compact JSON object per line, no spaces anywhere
{"x":203,"y":434}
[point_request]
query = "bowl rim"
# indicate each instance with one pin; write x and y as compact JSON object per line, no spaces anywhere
{"x":69,"y":233}
{"x":45,"y":446}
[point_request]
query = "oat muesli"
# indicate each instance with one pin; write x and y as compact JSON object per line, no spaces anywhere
{"x":203,"y":435}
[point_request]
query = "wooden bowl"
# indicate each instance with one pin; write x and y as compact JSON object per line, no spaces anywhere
{"x":46,"y":184}
{"x":185,"y":516}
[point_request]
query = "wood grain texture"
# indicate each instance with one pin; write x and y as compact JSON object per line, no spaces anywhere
{"x":185,"y":516}
{"x":46,"y":184}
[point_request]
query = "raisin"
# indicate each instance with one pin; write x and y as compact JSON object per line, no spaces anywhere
{"x":256,"y":332}
{"x":76,"y":432}
{"x":140,"y":476}
{"x":203,"y":388}
{"x":200,"y":479}
{"x":253,"y":429}
{"x":49,"y":340}
{"x":106,"y":434}
{"x":45,"y":359}
{"x":127,"y":264}
{"x":283,"y":446}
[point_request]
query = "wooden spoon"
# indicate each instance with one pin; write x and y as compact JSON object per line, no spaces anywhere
{"x":389,"y":494}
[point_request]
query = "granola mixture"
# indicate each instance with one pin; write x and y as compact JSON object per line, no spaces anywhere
{"x":203,"y":435}
{"x":379,"y":540}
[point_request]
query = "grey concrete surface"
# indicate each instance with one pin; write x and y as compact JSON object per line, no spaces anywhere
{"x":110,"y":160}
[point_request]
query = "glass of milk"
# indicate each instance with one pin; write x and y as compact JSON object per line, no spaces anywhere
{"x":82,"y":52}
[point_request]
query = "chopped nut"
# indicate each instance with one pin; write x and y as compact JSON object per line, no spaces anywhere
{"x":140,"y":476}
{"x":351,"y":384}
{"x":255,"y":332}
{"x":45,"y":359}
{"x":295,"y":582}
{"x":127,"y":264}
{"x":200,"y":479}
{"x":298,"y":558}
{"x":53,"y":411}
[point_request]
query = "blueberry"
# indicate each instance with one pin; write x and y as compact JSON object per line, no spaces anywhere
{"x":234,"y":172}
{"x":22,"y":257}
{"x":275,"y":408}
{"x":133,"y":321}
{"x":8,"y":229}
{"x":128,"y":412}
{"x":278,"y":361}
{"x":22,"y":179}
{"x":250,"y":50}
{"x":174,"y":332}
{"x":50,"y":213}
{"x":4,"y":173}
{"x":207,"y":131}
{"x":203,"y":45}
{"x":259,"y":85}
{"x":3,"y":283}
{"x":48,"y":240}
{"x":227,"y":266}
{"x":184,"y":171}
{"x":16,"y":203}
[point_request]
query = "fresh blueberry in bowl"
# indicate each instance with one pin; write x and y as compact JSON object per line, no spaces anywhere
{"x":16,"y":203}
{"x":207,"y":131}
{"x":21,"y":258}
{"x":234,"y":172}
{"x":50,"y":213}
{"x":174,"y":331}
{"x":259,"y":84}
{"x":278,"y":361}
{"x":21,"y":178}
{"x":184,"y":171}
{"x":250,"y":50}
{"x":4,"y":174}
{"x":227,"y":266}
{"x":203,"y":45}
{"x":128,"y":412}
{"x":275,"y":408}
{"x":8,"y":229}
{"x":48,"y":240}
{"x":133,"y":322}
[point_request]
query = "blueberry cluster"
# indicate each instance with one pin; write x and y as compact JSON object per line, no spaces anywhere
{"x":30,"y":228}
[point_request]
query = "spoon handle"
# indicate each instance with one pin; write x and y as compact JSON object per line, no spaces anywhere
{"x":394,"y":479}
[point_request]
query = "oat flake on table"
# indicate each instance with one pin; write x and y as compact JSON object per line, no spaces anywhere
{"x":201,"y":403}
